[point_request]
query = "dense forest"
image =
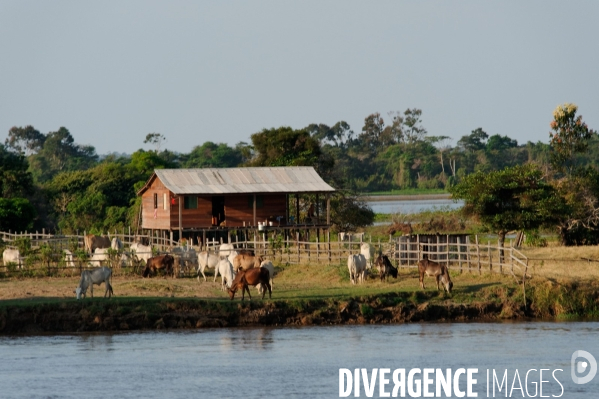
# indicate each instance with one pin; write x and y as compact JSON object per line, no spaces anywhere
{"x":49,"y":181}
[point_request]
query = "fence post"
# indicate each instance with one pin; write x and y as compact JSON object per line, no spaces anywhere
{"x":298,"y":246}
{"x":490,"y":256}
{"x":477,"y":255}
{"x":460,"y":253}
{"x":501,"y":258}
{"x":447,"y":250}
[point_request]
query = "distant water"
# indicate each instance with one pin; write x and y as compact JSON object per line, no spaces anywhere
{"x":286,"y":362}
{"x":413,"y":206}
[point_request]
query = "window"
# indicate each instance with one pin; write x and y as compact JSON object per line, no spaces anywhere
{"x":164,"y":201}
{"x":190,"y":202}
{"x":259,"y":201}
{"x":155,"y":201}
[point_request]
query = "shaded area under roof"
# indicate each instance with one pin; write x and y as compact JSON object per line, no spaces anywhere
{"x":217,"y":181}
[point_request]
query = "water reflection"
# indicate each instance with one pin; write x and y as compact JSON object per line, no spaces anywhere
{"x":260,"y":339}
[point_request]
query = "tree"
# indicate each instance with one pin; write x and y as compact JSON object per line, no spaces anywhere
{"x":15,"y":179}
{"x":211,"y":155}
{"x":569,"y":137}
{"x":285,"y":146}
{"x":25,"y":139}
{"x":475,"y":141}
{"x":155,"y":139}
{"x":515,"y":198}
{"x":348,"y":212}
{"x":16,"y":214}
{"x":412,"y":130}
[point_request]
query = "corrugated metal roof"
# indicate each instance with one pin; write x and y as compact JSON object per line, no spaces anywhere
{"x":291,"y":179}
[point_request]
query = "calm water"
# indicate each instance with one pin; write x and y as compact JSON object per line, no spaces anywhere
{"x":286,"y":362}
{"x":413,"y":206}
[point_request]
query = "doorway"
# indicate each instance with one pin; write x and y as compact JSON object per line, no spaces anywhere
{"x":218,"y":210}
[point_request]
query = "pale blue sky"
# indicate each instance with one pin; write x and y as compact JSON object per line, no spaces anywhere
{"x":113,"y":71}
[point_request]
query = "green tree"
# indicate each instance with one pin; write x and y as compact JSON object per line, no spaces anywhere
{"x":285,"y":146}
{"x":16,"y":214}
{"x":25,"y":139}
{"x":515,"y":198}
{"x":212,"y":155}
{"x":348,"y":212}
{"x":156,"y":139}
{"x":15,"y":179}
{"x":569,"y":136}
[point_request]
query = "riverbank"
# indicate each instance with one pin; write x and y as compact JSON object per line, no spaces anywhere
{"x":411,"y":197}
{"x":489,"y":300}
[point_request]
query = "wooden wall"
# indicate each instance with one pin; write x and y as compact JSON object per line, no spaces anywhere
{"x":161,"y":218}
{"x":193,"y":218}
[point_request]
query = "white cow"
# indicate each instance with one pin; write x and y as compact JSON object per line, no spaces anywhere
{"x":357,"y":267}
{"x":12,"y":256}
{"x":227,"y":251}
{"x":367,"y":250}
{"x":271,"y":271}
{"x":68,"y":258}
{"x":225,"y":268}
{"x":116,"y":244}
{"x":100,"y":255}
{"x":143,"y":252}
{"x":206,"y":259}
{"x":96,"y":276}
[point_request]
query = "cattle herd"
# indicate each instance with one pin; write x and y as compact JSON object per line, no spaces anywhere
{"x":238,"y":268}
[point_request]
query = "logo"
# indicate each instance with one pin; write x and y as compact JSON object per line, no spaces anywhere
{"x":580,"y":366}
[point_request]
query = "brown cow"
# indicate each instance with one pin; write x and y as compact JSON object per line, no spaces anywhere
{"x":436,"y":270}
{"x":255,"y":276}
{"x":156,"y":263}
{"x":246,"y":262}
{"x":93,"y":241}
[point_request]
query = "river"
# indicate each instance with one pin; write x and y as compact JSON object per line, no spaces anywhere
{"x":288,"y":362}
{"x":413,"y":205}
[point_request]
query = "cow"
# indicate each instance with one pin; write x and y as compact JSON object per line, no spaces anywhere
{"x":384,"y":266}
{"x":357,"y":267}
{"x":12,"y":256}
{"x":93,"y":241}
{"x":100,"y":255}
{"x":246,"y":262}
{"x":225,"y":269}
{"x":142,"y":252}
{"x":116,"y":244}
{"x":96,"y":276}
{"x":253,"y":277}
{"x":271,"y":271}
{"x":206,"y":259}
{"x":366,"y":250}
{"x":68,"y":258}
{"x":159,"y":262}
{"x":436,"y":270}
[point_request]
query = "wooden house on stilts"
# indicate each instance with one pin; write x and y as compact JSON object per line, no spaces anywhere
{"x":209,"y":203}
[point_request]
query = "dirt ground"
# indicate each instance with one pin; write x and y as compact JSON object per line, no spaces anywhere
{"x":63,"y":287}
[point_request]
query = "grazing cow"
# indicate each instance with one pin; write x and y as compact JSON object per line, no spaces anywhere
{"x":116,"y":244}
{"x":95,"y":276}
{"x":206,"y":259}
{"x":357,"y":267}
{"x":12,"y":256}
{"x":142,"y":252}
{"x":225,"y":269}
{"x":271,"y":272}
{"x":436,"y":270}
{"x":384,"y":266}
{"x":366,"y":250}
{"x":68,"y":258}
{"x":93,"y":241}
{"x":245,"y":262}
{"x":253,"y":277}
{"x":100,"y":255}
{"x":159,"y":262}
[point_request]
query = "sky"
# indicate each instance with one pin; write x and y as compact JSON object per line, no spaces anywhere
{"x":195,"y":71}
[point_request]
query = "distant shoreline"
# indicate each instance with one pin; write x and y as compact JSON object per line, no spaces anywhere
{"x":415,"y":197}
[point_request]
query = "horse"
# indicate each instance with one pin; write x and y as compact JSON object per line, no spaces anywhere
{"x":436,"y":270}
{"x":384,"y":266}
{"x":156,"y":263}
{"x":254,"y":276}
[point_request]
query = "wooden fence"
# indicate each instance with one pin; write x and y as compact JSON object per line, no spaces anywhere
{"x":457,"y":252}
